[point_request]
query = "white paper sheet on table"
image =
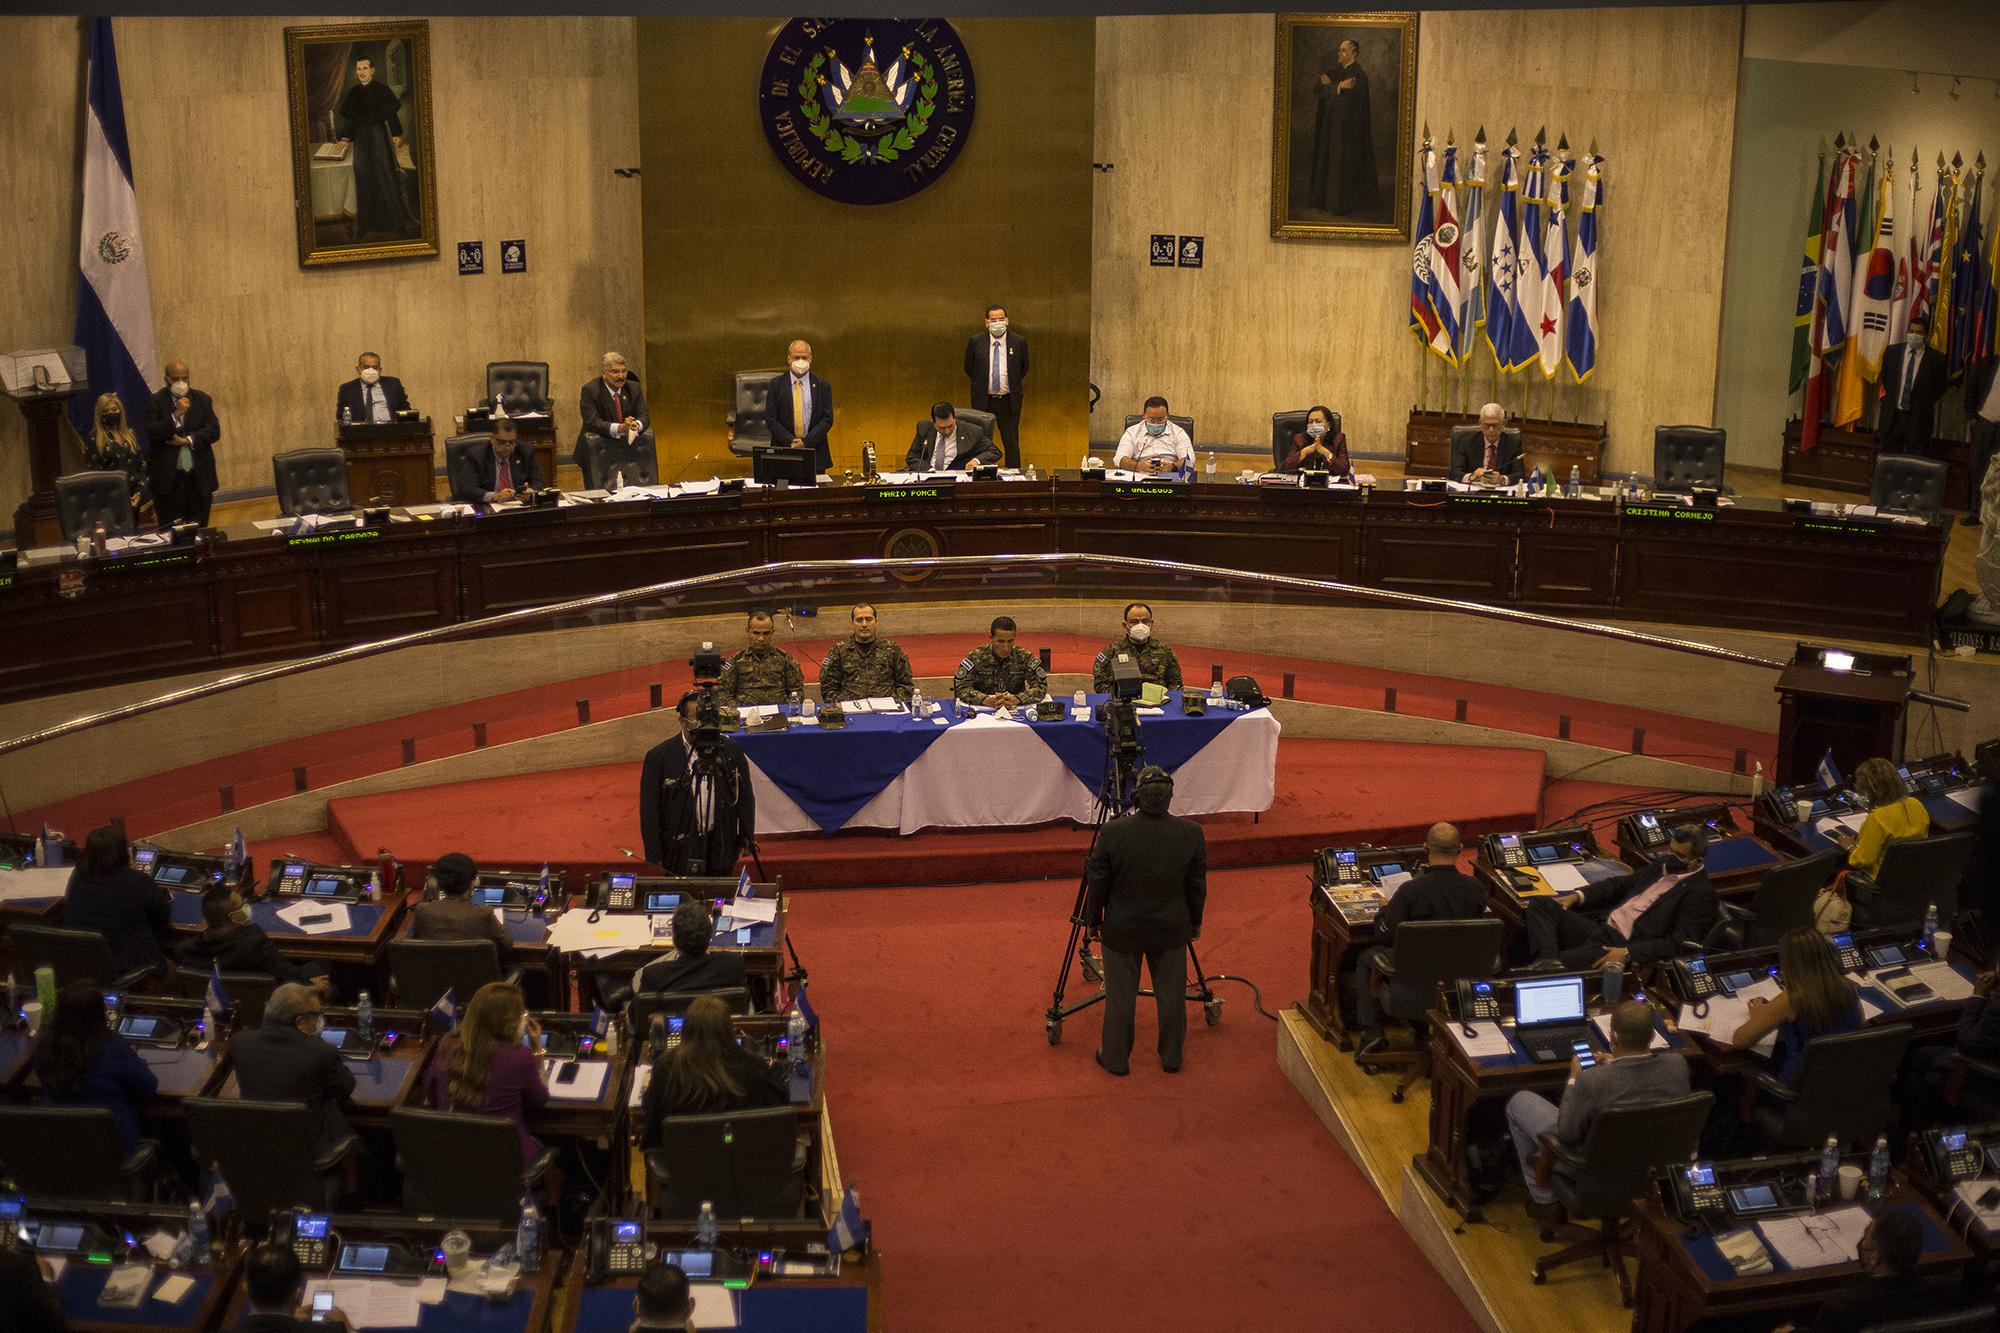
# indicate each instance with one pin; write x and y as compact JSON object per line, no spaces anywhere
{"x":752,"y":909}
{"x":574,"y":932}
{"x":588,"y":1085}
{"x":1390,"y":883}
{"x":1968,"y":1193}
{"x":1944,"y":979}
{"x":174,"y":1288}
{"x":325,"y":918}
{"x":873,"y":705}
{"x":35,"y":882}
{"x":755,"y":712}
{"x":374,"y":1303}
{"x":1603,"y":1022}
{"x":1725,"y":1015}
{"x":1852,"y":823}
{"x":1490,"y":1039}
{"x":714,"y":1305}
{"x":1970,"y":798}
{"x":1870,"y":1010}
{"x":1816,"y":1239}
{"x":1563,"y":876}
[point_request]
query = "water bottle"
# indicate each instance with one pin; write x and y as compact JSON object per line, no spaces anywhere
{"x":347,"y":416}
{"x":917,"y":702}
{"x":793,"y":701}
{"x":210,"y":1024}
{"x":1215,"y":692}
{"x":364,"y":1016}
{"x":1079,"y":700}
{"x":1211,"y":465}
{"x":100,"y":541}
{"x":197,"y":1233}
{"x":1575,"y":488}
{"x":618,"y":480}
{"x":704,"y":1226}
{"x":1878,"y":1167}
{"x":1828,"y":1190}
{"x":811,"y":708}
{"x":1930,"y":929}
{"x":528,"y":1237}
{"x":795,"y":1039}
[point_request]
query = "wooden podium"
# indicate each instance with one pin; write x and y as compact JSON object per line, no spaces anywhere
{"x":35,"y":519}
{"x":1856,"y":712}
{"x":389,"y":462}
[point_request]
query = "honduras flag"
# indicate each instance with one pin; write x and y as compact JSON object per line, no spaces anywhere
{"x":600,"y":1022}
{"x":1828,"y":772}
{"x":114,"y":307}
{"x":445,"y":1011}
{"x":849,"y":1228}
{"x":216,"y":998}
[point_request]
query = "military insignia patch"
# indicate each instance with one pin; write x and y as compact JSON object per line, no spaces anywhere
{"x":867,"y":111}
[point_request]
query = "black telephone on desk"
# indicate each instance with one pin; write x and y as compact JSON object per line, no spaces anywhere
{"x":1850,"y":957}
{"x":1697,"y":982}
{"x":617,"y":1249}
{"x":1478,"y":1002}
{"x":1645,"y":829}
{"x":1340,"y":866}
{"x":1953,"y":1156}
{"x":309,"y":1236}
{"x":618,"y":893}
{"x":1697,"y":1196}
{"x":1506,"y":850}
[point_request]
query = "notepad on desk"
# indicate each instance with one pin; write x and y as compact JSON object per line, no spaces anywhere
{"x":587,"y":1086}
{"x":1563,"y":877}
{"x":1488,"y":1039}
{"x":316,"y":918}
{"x":34,"y":882}
{"x":1816,"y":1240}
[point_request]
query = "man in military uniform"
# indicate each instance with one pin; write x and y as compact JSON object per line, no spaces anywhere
{"x":762,"y":673}
{"x":865,"y":666}
{"x":997,"y":674}
{"x":1157,"y":663}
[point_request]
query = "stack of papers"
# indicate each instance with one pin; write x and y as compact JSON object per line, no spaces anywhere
{"x":313,"y":918}
{"x":1488,"y":1039}
{"x":1816,"y":1240}
{"x":714,"y":1305}
{"x":1826,"y":824}
{"x":871,"y":706}
{"x":38,"y":882}
{"x":1744,"y":1253}
{"x":1390,"y":883}
{"x":1564,"y":876}
{"x":612,"y":932}
{"x":126,"y":1286}
{"x":1725,"y":1015}
{"x":1969,"y":1193}
{"x":587,"y":1086}
{"x":380,"y":1303}
{"x":747,"y":912}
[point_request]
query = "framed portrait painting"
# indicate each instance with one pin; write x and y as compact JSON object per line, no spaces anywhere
{"x":1343,"y":131}
{"x":364,"y":179}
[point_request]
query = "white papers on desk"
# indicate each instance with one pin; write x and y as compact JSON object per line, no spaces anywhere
{"x":314,"y":918}
{"x":1725,"y":1015}
{"x":713,"y":486}
{"x":1603,"y":1022}
{"x":1743,"y":1251}
{"x":746,"y":910}
{"x":174,"y":1288}
{"x":1816,"y":1240}
{"x":588,"y":1085}
{"x":1390,"y":883}
{"x":612,"y":932}
{"x":448,"y":509}
{"x":1870,"y":1011}
{"x":871,"y":706}
{"x":138,"y":542}
{"x":1944,"y":979}
{"x":1968,"y":1192}
{"x":1970,"y":798}
{"x":36,"y":882}
{"x":1564,"y":876}
{"x":1488,"y":1039}
{"x":641,"y":1076}
{"x":126,"y":1286}
{"x":756,"y":712}
{"x":374,"y":1302}
{"x":1825,"y":824}
{"x":1764,"y":988}
{"x":714,"y":1305}
{"x":161,"y":1245}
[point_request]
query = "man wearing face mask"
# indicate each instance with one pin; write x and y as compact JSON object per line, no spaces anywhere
{"x":1912,"y":382}
{"x":235,"y":943}
{"x":996,"y":363}
{"x":1157,"y":663}
{"x":181,"y":431}
{"x":284,"y":1060}
{"x":799,"y":396}
{"x":1155,"y":444}
{"x":370,"y":396}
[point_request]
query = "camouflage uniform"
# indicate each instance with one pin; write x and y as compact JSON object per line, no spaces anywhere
{"x":985,"y":672}
{"x":760,"y":676}
{"x":1157,"y":664}
{"x":874,"y":670}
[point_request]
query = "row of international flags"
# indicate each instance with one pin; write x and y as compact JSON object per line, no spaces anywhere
{"x":1515,"y":282}
{"x":1861,"y":282}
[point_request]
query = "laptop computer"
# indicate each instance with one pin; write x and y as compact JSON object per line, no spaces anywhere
{"x":1549,"y":1016}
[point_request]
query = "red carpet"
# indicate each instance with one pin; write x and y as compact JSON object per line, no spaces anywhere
{"x":580,"y":819}
{"x":193,"y":792}
{"x":1016,"y":1186}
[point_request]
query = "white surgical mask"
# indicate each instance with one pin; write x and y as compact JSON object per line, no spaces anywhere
{"x":241,"y":916}
{"x":1316,"y":428}
{"x":800,"y":365}
{"x":996,"y":327}
{"x":1156,"y":428}
{"x":1914,"y":339}
{"x":316,"y":1024}
{"x":178,"y":388}
{"x":370,"y":375}
{"x":1139,"y":633}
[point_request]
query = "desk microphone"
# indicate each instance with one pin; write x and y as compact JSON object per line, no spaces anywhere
{"x":675,"y":480}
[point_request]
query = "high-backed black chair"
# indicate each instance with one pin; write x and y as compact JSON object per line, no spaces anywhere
{"x":1428,"y":954}
{"x":248,"y":993}
{"x":637,"y":460}
{"x":1688,"y":456}
{"x":422,"y":970}
{"x":1908,"y":484}
{"x":1841,"y":1088}
{"x":311,"y":481}
{"x":524,"y":384}
{"x":1508,"y":434}
{"x":73,"y":1153}
{"x":1605,"y":1177}
{"x":85,"y":500}
{"x":1967,"y":1319}
{"x":986,"y":422}
{"x":1285,"y":425}
{"x":1915,"y":873}
{"x":74,"y":955}
{"x":1185,"y":423}
{"x":749,"y":426}
{"x":458,"y":476}
{"x":1783,"y":901}
{"x":466,"y":1167}
{"x":255,"y":1146}
{"x":747,"y":1163}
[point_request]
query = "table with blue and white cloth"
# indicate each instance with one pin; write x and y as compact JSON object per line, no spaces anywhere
{"x":982,"y":770}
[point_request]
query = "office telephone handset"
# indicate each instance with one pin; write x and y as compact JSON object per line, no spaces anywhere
{"x":1850,"y":957}
{"x":1477,"y":1003}
{"x":1507,"y":850}
{"x":617,"y":1249}
{"x":1697,"y":1196}
{"x":311,"y":1239}
{"x":1697,"y":982}
{"x":1646,"y":831}
{"x":1339,"y":866}
{"x":1953,"y":1156}
{"x":618,"y":893}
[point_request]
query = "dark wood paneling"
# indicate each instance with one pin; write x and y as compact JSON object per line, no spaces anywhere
{"x":261,"y":613}
{"x":1844,"y":460}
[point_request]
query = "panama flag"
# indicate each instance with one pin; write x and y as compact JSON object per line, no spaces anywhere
{"x":1554,"y":272}
{"x":114,"y":308}
{"x":1581,"y":335}
{"x":1471,"y":254}
{"x":1446,"y":300}
{"x":1505,"y":333}
{"x":1423,"y":319}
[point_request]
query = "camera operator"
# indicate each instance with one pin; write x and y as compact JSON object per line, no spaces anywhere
{"x":697,"y":811}
{"x":1147,"y":881}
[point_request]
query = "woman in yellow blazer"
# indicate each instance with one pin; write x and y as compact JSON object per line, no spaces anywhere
{"x":1893,"y":815}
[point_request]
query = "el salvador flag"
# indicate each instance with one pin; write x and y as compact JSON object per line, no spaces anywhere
{"x":850,"y":1228}
{"x":114,"y":307}
{"x":744,"y":889}
{"x":445,"y":1011}
{"x":806,"y":1010}
{"x":1828,"y":772}
{"x":217,"y":998}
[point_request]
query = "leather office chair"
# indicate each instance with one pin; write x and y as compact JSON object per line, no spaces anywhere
{"x":1604,"y":1178}
{"x":1842,"y":1088}
{"x":73,"y":1153}
{"x":1284,"y":425}
{"x":422,"y":970}
{"x":1783,"y":901}
{"x":1688,"y":456}
{"x":74,"y":955}
{"x":1428,"y":954}
{"x":86,"y":499}
{"x":254,"y":1145}
{"x":1185,"y":423}
{"x":1507,"y":434}
{"x":747,"y":1163}
{"x":749,"y":426}
{"x":248,"y":993}
{"x":458,"y":466}
{"x":986,"y":421}
{"x":524,"y":384}
{"x":1970,"y":1319}
{"x":638,"y":460}
{"x":311,"y":481}
{"x":1908,"y":484}
{"x":465,"y":1167}
{"x":1915,"y":873}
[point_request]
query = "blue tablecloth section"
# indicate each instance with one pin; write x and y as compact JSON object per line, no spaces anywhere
{"x":1702,"y":1249}
{"x":361,"y":921}
{"x":1738,"y":854}
{"x":762,"y":1307}
{"x":82,"y":1283}
{"x":527,"y":928}
{"x":460,"y":1313}
{"x":1169,"y":740}
{"x":1947,"y":815}
{"x":833,"y":774}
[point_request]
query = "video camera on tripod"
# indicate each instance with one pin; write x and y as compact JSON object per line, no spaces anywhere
{"x":1120,"y":715}
{"x":709,"y":722}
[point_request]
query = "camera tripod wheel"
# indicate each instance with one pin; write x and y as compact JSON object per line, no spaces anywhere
{"x":1211,"y":1013}
{"x":1055,"y":1031}
{"x":1093,"y":968}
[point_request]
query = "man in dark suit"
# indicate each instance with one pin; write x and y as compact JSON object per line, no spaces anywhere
{"x":612,"y":407}
{"x":1146,"y":884}
{"x":232,"y":942}
{"x":500,"y":469}
{"x":453,"y":915}
{"x":1912,"y":382}
{"x":799,"y":395}
{"x":370,"y":396}
{"x":1982,"y":413}
{"x":946,"y":444}
{"x":181,"y":431}
{"x":692,"y":966}
{"x":1493,"y":455}
{"x":691,"y":814}
{"x":996,"y":364}
{"x":1651,"y":911}
{"x":271,"y":1277}
{"x":1438,"y":892}
{"x":284,"y":1060}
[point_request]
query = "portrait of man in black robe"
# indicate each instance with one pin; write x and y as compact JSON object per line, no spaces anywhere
{"x":1344,"y":180}
{"x":369,"y":119}
{"x":1342,"y":146}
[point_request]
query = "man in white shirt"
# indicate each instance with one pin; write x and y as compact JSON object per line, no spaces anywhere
{"x":1155,"y":444}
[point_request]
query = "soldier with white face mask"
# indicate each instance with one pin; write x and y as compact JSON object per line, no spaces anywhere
{"x":1157,"y":663}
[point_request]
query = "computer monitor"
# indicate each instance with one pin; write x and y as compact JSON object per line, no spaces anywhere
{"x":772,"y":464}
{"x":1548,"y":1000}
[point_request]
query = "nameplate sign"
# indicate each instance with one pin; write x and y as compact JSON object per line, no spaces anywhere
{"x":6,"y":581}
{"x":929,"y":490}
{"x":1314,"y":494}
{"x":700,"y":504}
{"x":334,"y":537}
{"x":1859,"y":527}
{"x":1144,"y":490}
{"x":1489,"y":501}
{"x":1670,"y":513}
{"x":126,"y":563}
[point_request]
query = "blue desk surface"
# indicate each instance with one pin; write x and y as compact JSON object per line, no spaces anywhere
{"x":1702,"y":1248}
{"x":762,"y":1308}
{"x":1518,"y":1058}
{"x":82,"y":1283}
{"x":460,"y":1313}
{"x":1743,"y":853}
{"x":362,"y":917}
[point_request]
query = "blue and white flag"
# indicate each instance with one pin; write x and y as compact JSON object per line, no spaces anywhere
{"x":600,"y":1022}
{"x":849,"y":1228}
{"x":216,"y":998}
{"x":1580,"y":347}
{"x":114,"y":306}
{"x":1506,"y":332}
{"x":1472,"y":253}
{"x":445,"y":1011}
{"x":1828,"y":772}
{"x":744,"y":888}
{"x":805,"y":1006}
